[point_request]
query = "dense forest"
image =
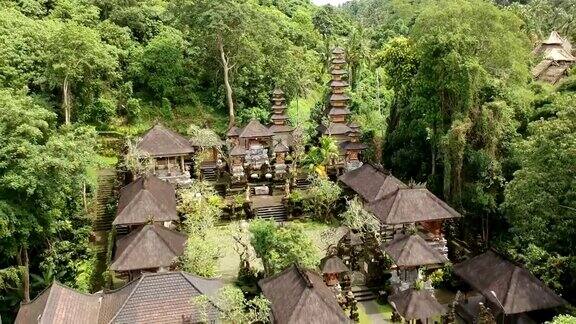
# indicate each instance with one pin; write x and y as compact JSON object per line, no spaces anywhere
{"x":442,"y":91}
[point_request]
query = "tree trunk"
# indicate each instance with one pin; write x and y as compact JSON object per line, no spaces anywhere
{"x":226,"y":68}
{"x":23,"y":261}
{"x":66,"y":100}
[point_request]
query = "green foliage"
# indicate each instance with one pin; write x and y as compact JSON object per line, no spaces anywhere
{"x":234,"y":307}
{"x":322,"y":198}
{"x":357,"y":218}
{"x":279,"y":247}
{"x":563,"y":319}
{"x":260,"y":114}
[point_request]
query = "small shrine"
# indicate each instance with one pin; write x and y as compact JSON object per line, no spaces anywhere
{"x":338,"y":127}
{"x":557,"y":59}
{"x":259,"y":153}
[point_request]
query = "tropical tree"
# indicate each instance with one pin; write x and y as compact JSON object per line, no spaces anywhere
{"x":321,"y":198}
{"x":320,"y":157}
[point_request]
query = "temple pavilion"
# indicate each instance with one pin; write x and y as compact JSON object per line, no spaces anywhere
{"x":557,"y":58}
{"x":146,"y":200}
{"x":337,"y":126}
{"x":172,"y":153}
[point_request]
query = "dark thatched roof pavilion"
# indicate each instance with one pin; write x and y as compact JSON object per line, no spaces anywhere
{"x":152,"y":246}
{"x":255,"y":129}
{"x":160,"y":141}
{"x":413,"y":251}
{"x":410,"y":205}
{"x":147,"y":198}
{"x":301,"y":296}
{"x":414,"y":304}
{"x":503,"y":283}
{"x":370,"y":183}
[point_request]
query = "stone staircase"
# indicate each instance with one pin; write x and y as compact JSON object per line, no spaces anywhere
{"x":209,"y":174}
{"x":276,"y":213}
{"x":302,"y":183}
{"x":102,"y":216}
{"x":363,"y":293}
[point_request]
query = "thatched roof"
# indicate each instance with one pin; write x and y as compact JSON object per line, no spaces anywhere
{"x":413,"y":251}
{"x":233,"y":131}
{"x":339,"y":97}
{"x":60,"y":304}
{"x":255,"y":129}
{"x":333,"y":264}
{"x":162,"y":142}
{"x":339,"y":111}
{"x":554,"y":39}
{"x":152,"y":246}
{"x":278,"y":92}
{"x":559,"y":55}
{"x":338,"y":61}
{"x":280,"y":129}
{"x":338,"y":83}
{"x":515,"y":287}
{"x":410,"y":205}
{"x":338,"y":50}
{"x":371,"y":183}
{"x":337,"y":129}
{"x":281,"y":148}
{"x":279,"y":117}
{"x":301,"y":296}
{"x":147,"y":198}
{"x":414,"y":304}
{"x":348,"y":145}
{"x":338,"y":72}
{"x":550,"y":71}
{"x":238,"y":150}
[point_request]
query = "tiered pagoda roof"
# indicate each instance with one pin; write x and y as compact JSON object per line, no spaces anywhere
{"x":280,"y":127}
{"x":255,"y":129}
{"x":147,"y":198}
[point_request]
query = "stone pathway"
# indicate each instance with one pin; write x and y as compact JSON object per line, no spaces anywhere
{"x":373,"y":311}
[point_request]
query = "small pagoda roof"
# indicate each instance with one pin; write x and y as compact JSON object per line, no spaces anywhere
{"x":301,"y":296}
{"x":333,"y":264}
{"x":554,"y":39}
{"x":163,"y":142}
{"x":339,"y":97}
{"x":238,"y":150}
{"x":370,"y":182}
{"x":414,"y":304}
{"x":233,"y":131}
{"x":152,"y":246}
{"x":255,"y":129}
{"x":278,"y":92}
{"x":338,"y":72}
{"x":282,"y":106}
{"x":353,"y":146}
{"x":276,"y":129}
{"x":410,"y":205}
{"x":281,"y":148}
{"x":339,"y":111}
{"x":279,"y":117}
{"x":338,"y":83}
{"x":413,"y":251}
{"x":338,"y":61}
{"x":147,"y":198}
{"x":337,"y":129}
{"x":338,"y":50}
{"x":516,"y":289}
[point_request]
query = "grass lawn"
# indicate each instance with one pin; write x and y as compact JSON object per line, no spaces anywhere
{"x":372,"y":311}
{"x":323,"y":235}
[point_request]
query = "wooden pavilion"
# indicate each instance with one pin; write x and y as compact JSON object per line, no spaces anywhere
{"x":370,"y":182}
{"x":148,"y":199}
{"x":153,"y":298}
{"x":151,"y":248}
{"x":416,"y":306}
{"x":508,"y":289}
{"x":411,"y":252}
{"x":301,"y":296}
{"x":172,"y":153}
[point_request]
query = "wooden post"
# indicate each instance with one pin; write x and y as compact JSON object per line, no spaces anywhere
{"x":182,"y":163}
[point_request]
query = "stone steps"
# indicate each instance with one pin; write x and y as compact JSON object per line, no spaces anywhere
{"x":276,"y":213}
{"x":363,"y":293}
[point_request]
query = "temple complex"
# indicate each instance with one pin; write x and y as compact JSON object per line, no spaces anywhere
{"x":557,"y":58}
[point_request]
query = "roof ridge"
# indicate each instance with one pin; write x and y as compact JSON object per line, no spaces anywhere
{"x":394,"y":208}
{"x":156,"y":228}
{"x":512,"y":287}
{"x":138,"y":282}
{"x":131,"y":246}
